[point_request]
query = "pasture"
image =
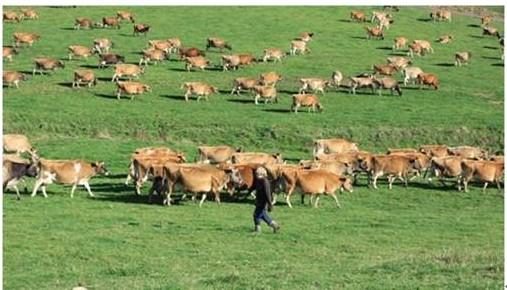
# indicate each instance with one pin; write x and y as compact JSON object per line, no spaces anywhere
{"x":424,"y":236}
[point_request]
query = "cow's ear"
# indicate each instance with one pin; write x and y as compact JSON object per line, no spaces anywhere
{"x":94,"y":164}
{"x":343,"y":179}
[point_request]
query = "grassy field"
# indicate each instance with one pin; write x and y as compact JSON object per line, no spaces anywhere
{"x":423,"y":236}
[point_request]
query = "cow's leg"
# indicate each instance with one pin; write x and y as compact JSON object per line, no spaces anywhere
{"x":87,"y":186}
{"x":336,"y":199}
{"x":375,"y":176}
{"x":150,"y":194}
{"x":465,"y":184}
{"x":287,"y":199}
{"x":72,"y":190}
{"x":202,"y":199}
{"x":316,"y":205}
{"x":498,"y":184}
{"x":311,"y":199}
{"x":38,"y":183}
{"x":484,"y":188}
{"x":44,"y":191}
{"x":127,"y":181}
{"x":390,"y":180}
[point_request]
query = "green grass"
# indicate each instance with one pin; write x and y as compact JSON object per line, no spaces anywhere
{"x":423,"y":236}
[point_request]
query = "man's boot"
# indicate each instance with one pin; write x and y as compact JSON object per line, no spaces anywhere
{"x":275,"y":226}
{"x":257,"y":229}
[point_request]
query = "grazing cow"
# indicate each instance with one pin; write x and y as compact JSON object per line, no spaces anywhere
{"x":415,"y":49}
{"x":445,"y":39}
{"x":25,"y":37}
{"x":152,"y":54}
{"x":71,"y":172}
{"x":102,"y":45}
{"x":363,"y":82}
{"x":298,"y":46}
{"x":358,"y":16}
{"x":400,"y":43}
{"x":81,"y":22}
{"x":270,"y":78}
{"x":111,"y":22}
{"x":13,"y":78}
{"x":216,"y":154}
{"x":198,"y":88}
{"x":411,"y":73}
{"x":468,"y":152}
{"x":425,"y":46}
{"x":217,"y":43}
{"x":12,"y":16}
{"x":462,"y":58}
{"x":14,"y":171}
{"x":17,"y":143}
{"x":79,"y":50}
{"x":336,"y":78}
{"x":429,"y":80}
{"x":374,"y":32}
{"x":126,"y":69}
{"x":125,"y":15}
{"x":243,"y":84}
{"x":317,"y":181}
{"x":8,"y":52}
{"x":256,"y":158}
{"x":109,"y":59}
{"x":265,"y":92}
{"x":441,"y":15}
{"x":230,"y":61}
{"x":190,"y":52}
{"x":447,"y":166}
{"x":336,"y":145}
{"x":84,"y":76}
{"x":434,"y":150}
{"x":141,"y":28}
{"x":47,"y":64}
{"x":131,"y":88}
{"x":394,"y":166}
{"x":206,"y":179}
{"x":484,"y":171}
{"x":385,"y":69}
{"x":486,"y":20}
{"x":197,"y":62}
{"x":388,"y":83}
{"x":275,"y":54}
{"x":303,"y":100}
{"x":313,"y":84}
{"x":399,"y":62}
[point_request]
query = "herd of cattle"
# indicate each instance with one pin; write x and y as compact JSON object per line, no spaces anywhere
{"x":263,"y":87}
{"x":336,"y":166}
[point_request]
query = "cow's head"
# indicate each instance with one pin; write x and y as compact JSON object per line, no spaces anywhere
{"x":181,"y":157}
{"x":147,"y":88}
{"x":414,"y":164}
{"x":346,"y":184}
{"x":278,"y":157}
{"x":100,"y":167}
{"x":234,"y":178}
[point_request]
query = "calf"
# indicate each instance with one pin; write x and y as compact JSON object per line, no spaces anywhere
{"x":125,"y":15}
{"x":313,"y":84}
{"x":303,"y":100}
{"x":217,"y":43}
{"x":388,"y":83}
{"x":8,"y":52}
{"x":216,"y":154}
{"x":141,"y":28}
{"x":358,"y":16}
{"x":79,"y":50}
{"x":152,"y":54}
{"x":385,"y":69}
{"x":68,"y":172}
{"x":24,"y":37}
{"x":199,"y":89}
{"x":129,"y":70}
{"x":197,"y":62}
{"x":13,"y":78}
{"x":400,"y":43}
{"x":298,"y":46}
{"x":270,"y":79}
{"x":47,"y":64}
{"x":111,"y":22}
{"x":131,"y":88}
{"x":243,"y":84}
{"x":265,"y":92}
{"x":275,"y":54}
{"x":394,"y":166}
{"x":336,"y":145}
{"x":109,"y":59}
{"x":484,"y":171}
{"x":102,"y":45}
{"x":411,"y":73}
{"x":429,"y":80}
{"x":462,"y":58}
{"x":84,"y":76}
{"x":374,"y":32}
{"x":30,"y":13}
{"x":14,"y":171}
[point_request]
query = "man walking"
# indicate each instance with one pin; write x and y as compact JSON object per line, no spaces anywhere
{"x":263,"y":201}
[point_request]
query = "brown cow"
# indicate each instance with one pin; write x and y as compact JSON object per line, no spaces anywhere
{"x":486,"y":20}
{"x":313,"y":84}
{"x":8,"y":52}
{"x":441,"y":15}
{"x":125,"y":15}
{"x":198,"y":88}
{"x":491,"y":31}
{"x":131,"y":88}
{"x":217,"y":43}
{"x":14,"y":171}
{"x":24,"y":37}
{"x":153,"y":54}
{"x":305,"y":36}
{"x":337,"y":145}
{"x":71,"y":172}
{"x":126,"y":69}
{"x":190,"y":52}
{"x":462,"y":58}
{"x":243,"y":84}
{"x":12,"y":78}
{"x":273,"y":53}
{"x":400,"y":43}
{"x":216,"y":154}
{"x":265,"y":92}
{"x":445,"y":39}
{"x":47,"y":64}
{"x":447,"y":166}
{"x":394,"y":166}
{"x":388,"y":83}
{"x":484,"y":171}
{"x":12,"y":16}
{"x":79,"y":50}
{"x":141,"y":28}
{"x":270,"y":78}
{"x":358,"y":16}
{"x":246,"y":59}
{"x":81,"y":22}
{"x":385,"y":69}
{"x":197,"y":62}
{"x":374,"y":32}
{"x":109,"y":59}
{"x":429,"y":80}
{"x":303,"y":100}
{"x":230,"y":61}
{"x":298,"y":46}
{"x":84,"y":76}
{"x":102,"y":45}
{"x":111,"y":21}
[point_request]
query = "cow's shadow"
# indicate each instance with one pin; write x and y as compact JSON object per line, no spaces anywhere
{"x":445,"y":64}
{"x":241,"y":101}
{"x":277,"y":110}
{"x":66,"y":84}
{"x":106,"y":96}
{"x":424,"y":19}
{"x":174,"y":97}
